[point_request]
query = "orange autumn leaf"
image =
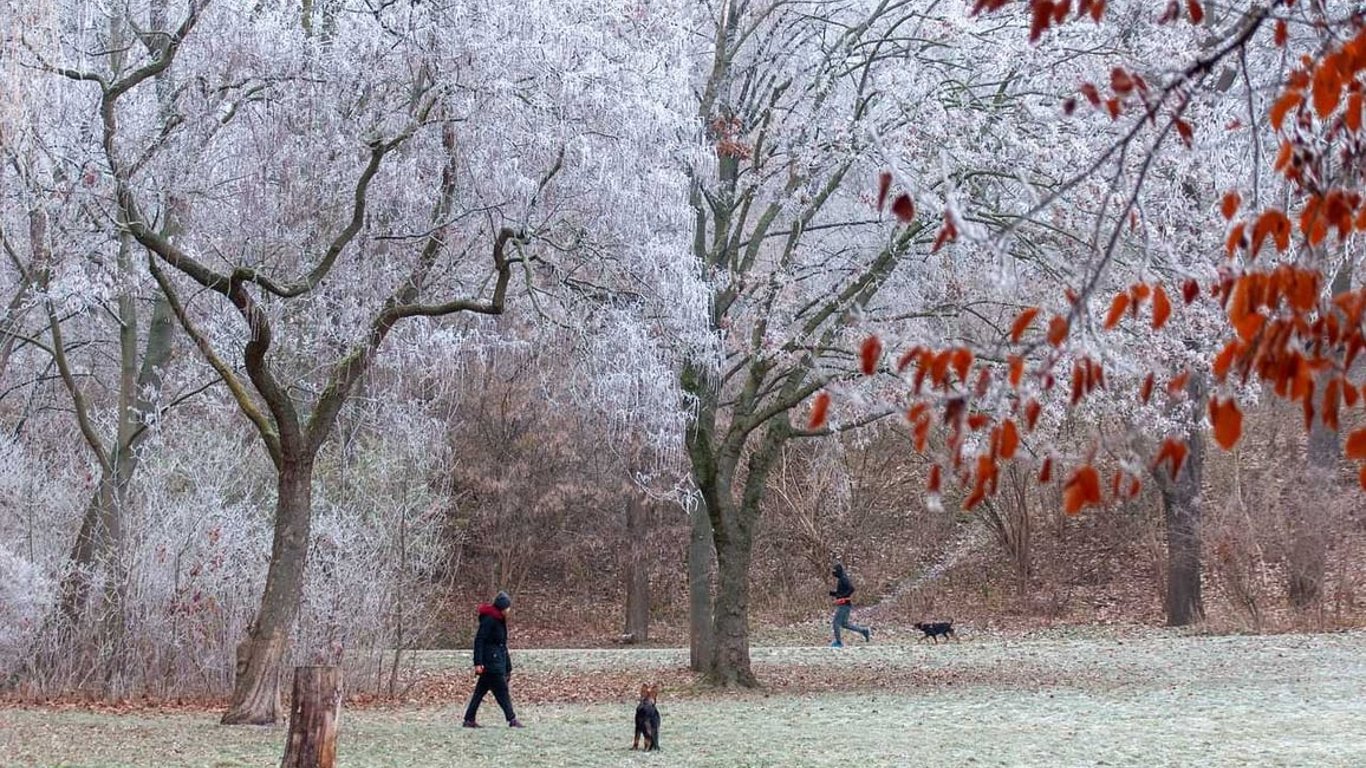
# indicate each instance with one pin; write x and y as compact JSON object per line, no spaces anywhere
{"x":916,"y":412}
{"x":1177,"y":386}
{"x":1235,"y":239}
{"x":1284,"y":155}
{"x":1057,"y":330}
{"x":1021,"y":323}
{"x":1117,"y":307}
{"x":1010,"y":439}
{"x":962,"y":362}
{"x":987,"y":473}
{"x":1145,"y":390}
{"x":819,"y":408}
{"x":1282,"y":33}
{"x":921,"y":434}
{"x":1224,"y":360}
{"x":1016,"y":371}
{"x":1078,"y":383}
{"x":1031,"y":413}
{"x":1040,"y":18}
{"x":1162,"y":307}
{"x":1227,"y":421}
{"x":1046,"y":471}
{"x":1190,"y":290}
{"x":1240,"y":301}
{"x":1184,"y":130}
{"x":932,"y":486}
{"x":1361,"y":477}
{"x":884,"y":183}
{"x":1356,"y":445}
{"x":979,"y":493}
{"x":978,"y":420}
{"x":1282,"y":107}
{"x":1332,"y":397}
{"x":939,"y":368}
{"x":869,"y":355}
{"x":1274,"y":224}
{"x":1327,"y":87}
{"x":1349,"y":394}
{"x":1303,"y":290}
{"x":1121,"y":81}
{"x":1249,"y":325}
{"x":1091,"y":93}
{"x":1197,"y":13}
{"x":1173,"y":452}
{"x":1352,"y":117}
{"x":947,"y":234}
{"x":1229,"y":206}
{"x":908,"y":357}
{"x":903,"y":208}
{"x":1081,"y":490}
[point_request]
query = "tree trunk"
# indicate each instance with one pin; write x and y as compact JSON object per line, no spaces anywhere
{"x":313,"y":713}
{"x":730,"y":654}
{"x":1308,"y":556}
{"x":1308,"y":553}
{"x":701,"y":555}
{"x":1184,"y":603}
{"x":637,"y":574}
{"x":256,"y":692}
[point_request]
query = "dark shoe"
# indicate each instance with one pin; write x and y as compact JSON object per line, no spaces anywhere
{"x":867,"y":634}
{"x":471,"y":724}
{"x":515,"y":723}
{"x":837,"y":644}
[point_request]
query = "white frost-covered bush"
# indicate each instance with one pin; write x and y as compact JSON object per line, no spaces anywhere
{"x":25,"y":595}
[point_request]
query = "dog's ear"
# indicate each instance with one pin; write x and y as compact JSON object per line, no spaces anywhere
{"x":654,"y":690}
{"x":644,"y":690}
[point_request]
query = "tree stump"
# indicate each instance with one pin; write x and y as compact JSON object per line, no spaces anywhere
{"x":313,"y":713}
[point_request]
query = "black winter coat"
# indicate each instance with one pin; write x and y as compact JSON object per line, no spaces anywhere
{"x":491,"y":642}
{"x":844,"y":588}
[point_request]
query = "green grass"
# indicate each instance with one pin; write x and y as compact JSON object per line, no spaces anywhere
{"x":1286,"y":700}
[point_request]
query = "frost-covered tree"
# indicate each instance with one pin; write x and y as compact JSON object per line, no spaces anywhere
{"x":843,"y":144}
{"x":326,"y":181}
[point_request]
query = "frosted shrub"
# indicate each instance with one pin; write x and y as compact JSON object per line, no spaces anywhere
{"x":25,"y":596}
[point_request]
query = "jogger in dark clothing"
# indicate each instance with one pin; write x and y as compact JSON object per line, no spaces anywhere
{"x":843,"y":594}
{"x":491,"y":660}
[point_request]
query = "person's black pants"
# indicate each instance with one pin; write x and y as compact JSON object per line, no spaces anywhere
{"x":491,"y":681}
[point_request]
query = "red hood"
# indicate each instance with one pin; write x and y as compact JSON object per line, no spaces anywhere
{"x":489,"y":609}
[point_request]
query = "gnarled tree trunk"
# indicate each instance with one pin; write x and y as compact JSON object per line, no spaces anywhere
{"x":256,"y":691}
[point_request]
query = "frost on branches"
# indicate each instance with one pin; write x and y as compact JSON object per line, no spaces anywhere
{"x":1195,"y":272}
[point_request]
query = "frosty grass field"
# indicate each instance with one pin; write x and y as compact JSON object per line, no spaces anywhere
{"x":1165,"y":700}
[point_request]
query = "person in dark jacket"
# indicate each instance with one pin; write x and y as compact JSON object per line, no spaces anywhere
{"x":843,"y":594}
{"x":491,"y":661}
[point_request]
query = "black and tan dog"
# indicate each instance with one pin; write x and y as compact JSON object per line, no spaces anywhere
{"x":933,"y":629}
{"x":647,"y":718}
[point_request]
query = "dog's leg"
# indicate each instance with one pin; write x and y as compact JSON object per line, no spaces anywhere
{"x":635,"y":742}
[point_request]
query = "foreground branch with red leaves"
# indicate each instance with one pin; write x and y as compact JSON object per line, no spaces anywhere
{"x":1286,"y":328}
